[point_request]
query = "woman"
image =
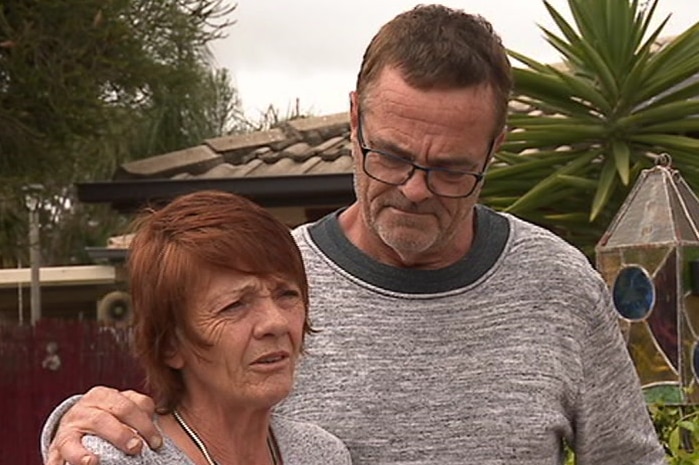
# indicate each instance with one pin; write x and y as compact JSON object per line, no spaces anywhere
{"x":221,"y":310}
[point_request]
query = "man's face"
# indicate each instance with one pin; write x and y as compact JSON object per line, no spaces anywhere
{"x":408,"y":225}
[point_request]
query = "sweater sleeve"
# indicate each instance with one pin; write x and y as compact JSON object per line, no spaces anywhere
{"x":54,"y":418}
{"x":612,"y":424}
{"x":110,"y":455}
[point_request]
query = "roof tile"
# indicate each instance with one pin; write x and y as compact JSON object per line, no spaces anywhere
{"x":299,"y":152}
{"x":194,"y":160}
{"x":342,"y":149}
{"x":226,"y":170}
{"x":330,"y":149}
{"x":325,"y":126}
{"x":284,"y":167}
{"x":234,"y":148}
{"x":343,"y":164}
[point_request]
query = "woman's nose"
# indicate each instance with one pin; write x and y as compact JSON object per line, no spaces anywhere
{"x":273,"y":320}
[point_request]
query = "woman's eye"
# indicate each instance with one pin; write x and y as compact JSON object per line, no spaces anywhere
{"x":234,"y":306}
{"x":290,"y":293}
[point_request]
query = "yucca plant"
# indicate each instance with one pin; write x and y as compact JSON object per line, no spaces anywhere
{"x":591,"y":123}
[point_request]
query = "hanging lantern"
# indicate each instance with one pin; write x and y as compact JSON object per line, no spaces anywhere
{"x":649,"y":257}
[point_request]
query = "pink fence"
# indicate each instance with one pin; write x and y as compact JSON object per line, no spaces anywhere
{"x":42,"y":365}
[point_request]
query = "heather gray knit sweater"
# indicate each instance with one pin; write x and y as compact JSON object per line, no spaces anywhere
{"x":495,"y":360}
{"x":299,"y":444}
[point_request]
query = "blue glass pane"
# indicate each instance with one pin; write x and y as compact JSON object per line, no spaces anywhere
{"x":633,"y":293}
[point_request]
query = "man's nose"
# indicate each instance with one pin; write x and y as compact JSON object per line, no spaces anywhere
{"x":415,"y":188}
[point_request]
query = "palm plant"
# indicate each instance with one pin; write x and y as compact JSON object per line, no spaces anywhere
{"x":591,"y":124}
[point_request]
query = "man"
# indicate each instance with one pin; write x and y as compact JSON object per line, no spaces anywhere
{"x":449,"y":333}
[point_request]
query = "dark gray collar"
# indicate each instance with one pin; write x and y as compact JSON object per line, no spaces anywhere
{"x":492,"y":231}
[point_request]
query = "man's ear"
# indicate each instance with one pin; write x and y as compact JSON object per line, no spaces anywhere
{"x":354,"y":118}
{"x":354,"y":111}
{"x":500,"y":139}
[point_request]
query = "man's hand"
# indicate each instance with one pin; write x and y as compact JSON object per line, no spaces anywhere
{"x":122,"y":418}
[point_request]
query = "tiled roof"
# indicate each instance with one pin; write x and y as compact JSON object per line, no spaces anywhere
{"x":301,"y":147}
{"x":307,"y":146}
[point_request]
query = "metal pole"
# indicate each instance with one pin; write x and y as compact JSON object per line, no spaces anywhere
{"x":35,"y":263}
{"x":31,"y":198}
{"x":20,"y":300}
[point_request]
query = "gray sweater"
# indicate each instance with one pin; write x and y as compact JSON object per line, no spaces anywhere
{"x":299,"y":444}
{"x":496,"y":359}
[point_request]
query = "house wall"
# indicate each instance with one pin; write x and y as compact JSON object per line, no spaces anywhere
{"x":66,"y":292}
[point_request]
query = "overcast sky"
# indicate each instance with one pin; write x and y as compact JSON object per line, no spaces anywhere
{"x":283,"y":50}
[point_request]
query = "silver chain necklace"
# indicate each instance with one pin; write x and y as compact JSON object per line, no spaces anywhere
{"x":271,"y":443}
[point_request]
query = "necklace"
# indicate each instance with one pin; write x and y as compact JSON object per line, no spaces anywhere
{"x":271,"y":442}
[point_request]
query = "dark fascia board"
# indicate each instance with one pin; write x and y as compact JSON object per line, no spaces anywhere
{"x":319,"y":190}
{"x":111,"y":255}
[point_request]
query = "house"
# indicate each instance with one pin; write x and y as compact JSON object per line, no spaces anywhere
{"x":299,"y":170}
{"x":66,"y":291}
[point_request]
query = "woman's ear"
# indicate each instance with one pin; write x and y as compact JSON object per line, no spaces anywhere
{"x":173,"y":354}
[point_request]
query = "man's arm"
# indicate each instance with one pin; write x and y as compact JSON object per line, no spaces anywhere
{"x":613,"y":425}
{"x":121,"y":418}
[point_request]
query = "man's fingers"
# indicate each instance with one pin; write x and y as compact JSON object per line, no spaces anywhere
{"x":144,"y":402}
{"x":119,"y":418}
{"x":69,"y":445}
{"x":112,"y":430}
{"x":69,"y":449}
{"x":141,"y":417}
{"x":114,"y":417}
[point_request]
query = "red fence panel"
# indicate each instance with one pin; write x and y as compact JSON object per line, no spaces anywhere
{"x":42,"y":365}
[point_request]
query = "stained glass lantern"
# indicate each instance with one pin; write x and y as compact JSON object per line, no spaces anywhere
{"x":649,"y":256}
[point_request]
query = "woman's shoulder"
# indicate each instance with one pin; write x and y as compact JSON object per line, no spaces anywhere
{"x":307,"y":443}
{"x":110,"y":455}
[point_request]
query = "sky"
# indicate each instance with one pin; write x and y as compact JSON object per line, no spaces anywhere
{"x":280,"y":52}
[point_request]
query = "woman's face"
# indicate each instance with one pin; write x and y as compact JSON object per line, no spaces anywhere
{"x":254,"y":327}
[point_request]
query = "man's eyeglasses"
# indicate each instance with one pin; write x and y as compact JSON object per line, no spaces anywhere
{"x":396,"y":171}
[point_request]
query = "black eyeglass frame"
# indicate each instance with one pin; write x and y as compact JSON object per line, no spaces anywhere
{"x":365,"y":149}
